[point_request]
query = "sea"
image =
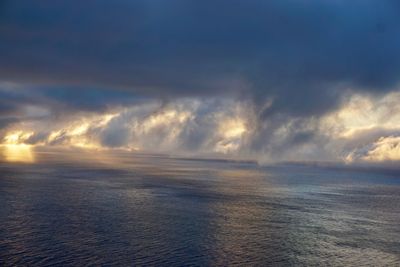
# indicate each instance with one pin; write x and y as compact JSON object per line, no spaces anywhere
{"x":72,"y":208}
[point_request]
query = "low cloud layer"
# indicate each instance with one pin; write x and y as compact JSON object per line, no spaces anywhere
{"x":364,"y":129}
{"x":270,"y":80}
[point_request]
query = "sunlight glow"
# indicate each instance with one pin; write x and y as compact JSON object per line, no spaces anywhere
{"x":231,"y":131}
{"x":18,"y":153}
{"x":385,"y":149}
{"x":14,"y":149}
{"x":165,"y":118}
{"x":76,"y":133}
{"x":17,"y":137}
{"x":362,"y":113}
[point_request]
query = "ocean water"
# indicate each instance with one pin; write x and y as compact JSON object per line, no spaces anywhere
{"x":71,"y":209}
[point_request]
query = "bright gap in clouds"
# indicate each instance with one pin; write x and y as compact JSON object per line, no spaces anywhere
{"x":364,"y":129}
{"x":14,"y":148}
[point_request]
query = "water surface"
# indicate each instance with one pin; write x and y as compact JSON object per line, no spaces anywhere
{"x":123,"y":209}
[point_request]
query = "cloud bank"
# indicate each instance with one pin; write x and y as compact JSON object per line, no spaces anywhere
{"x":270,"y":80}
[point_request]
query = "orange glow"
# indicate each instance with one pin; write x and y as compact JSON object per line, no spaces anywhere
{"x":14,"y":149}
{"x":17,"y":137}
{"x":18,"y":153}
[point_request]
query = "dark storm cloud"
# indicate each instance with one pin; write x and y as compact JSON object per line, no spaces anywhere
{"x":302,"y":54}
{"x":15,"y":100}
{"x":13,"y":103}
{"x":10,"y":101}
{"x":86,"y":98}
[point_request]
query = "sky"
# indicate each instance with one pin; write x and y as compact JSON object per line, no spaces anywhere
{"x":278,"y":80}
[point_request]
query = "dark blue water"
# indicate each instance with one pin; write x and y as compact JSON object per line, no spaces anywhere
{"x":144,"y":210}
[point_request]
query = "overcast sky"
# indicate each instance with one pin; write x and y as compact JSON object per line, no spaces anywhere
{"x":267,"y":80}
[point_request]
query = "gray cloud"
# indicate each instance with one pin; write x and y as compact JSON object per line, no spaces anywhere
{"x":287,"y":63}
{"x":301,"y":53}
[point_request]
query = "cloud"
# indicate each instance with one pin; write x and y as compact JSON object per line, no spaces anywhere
{"x":363,"y":130}
{"x":272,"y":80}
{"x":385,"y":149}
{"x":300,"y":53}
